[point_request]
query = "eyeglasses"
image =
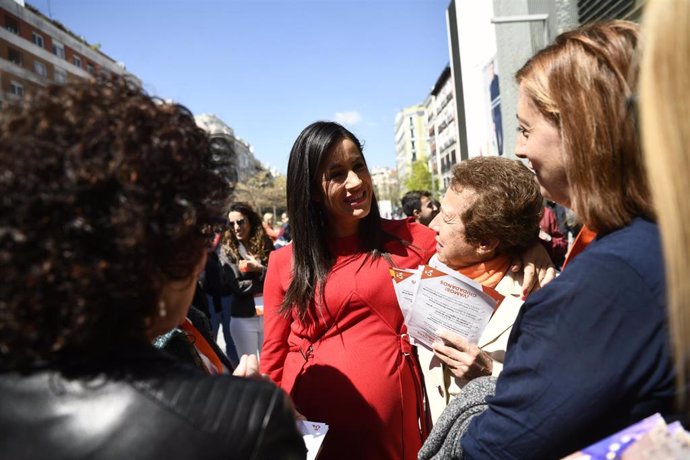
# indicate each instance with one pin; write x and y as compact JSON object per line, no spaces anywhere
{"x":239,"y":222}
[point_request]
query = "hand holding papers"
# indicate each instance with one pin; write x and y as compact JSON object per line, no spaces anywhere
{"x":440,"y":298}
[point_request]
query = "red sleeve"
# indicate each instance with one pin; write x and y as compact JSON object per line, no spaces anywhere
{"x":270,"y":231}
{"x":558,"y":245}
{"x":421,"y":238}
{"x":276,"y":326}
{"x":425,"y":238}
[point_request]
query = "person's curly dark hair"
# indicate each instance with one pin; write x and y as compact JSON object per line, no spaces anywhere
{"x":508,"y":207}
{"x":105,"y":194}
{"x":259,"y":243}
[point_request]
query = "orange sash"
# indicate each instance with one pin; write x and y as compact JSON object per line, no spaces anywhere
{"x":488,"y":273}
{"x":213,"y":363}
{"x":583,"y":239}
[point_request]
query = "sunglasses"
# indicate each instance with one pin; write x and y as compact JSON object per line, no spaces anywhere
{"x":239,"y":222}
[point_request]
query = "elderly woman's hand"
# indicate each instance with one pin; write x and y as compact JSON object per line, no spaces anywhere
{"x":538,"y":269}
{"x":465,"y":360}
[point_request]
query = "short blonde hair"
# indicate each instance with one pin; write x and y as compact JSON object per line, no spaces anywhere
{"x":665,"y":111}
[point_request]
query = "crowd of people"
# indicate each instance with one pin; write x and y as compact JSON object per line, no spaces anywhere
{"x":123,"y":260}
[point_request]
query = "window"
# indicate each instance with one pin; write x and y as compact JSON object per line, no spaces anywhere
{"x":11,"y":25}
{"x":76,"y":60}
{"x":40,"y":68}
{"x":37,"y":39}
{"x":414,"y":156}
{"x":16,"y":88}
{"x":14,"y":55}
{"x":60,"y":75}
{"x":412,"y":142}
{"x":58,"y":49}
{"x":90,"y":68}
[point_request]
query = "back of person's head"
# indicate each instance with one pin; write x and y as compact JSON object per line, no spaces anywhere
{"x":268,"y":218}
{"x":106,"y":193}
{"x":508,"y":206}
{"x":582,"y":83}
{"x":664,"y":114}
{"x":411,"y":202}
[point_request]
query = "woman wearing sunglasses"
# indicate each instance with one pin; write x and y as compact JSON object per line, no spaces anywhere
{"x":242,"y":258}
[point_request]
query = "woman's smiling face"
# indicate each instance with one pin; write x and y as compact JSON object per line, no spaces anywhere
{"x":345,"y":188}
{"x":539,"y":141}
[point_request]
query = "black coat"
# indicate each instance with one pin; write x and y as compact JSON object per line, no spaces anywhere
{"x":176,"y":343}
{"x":244,"y":286}
{"x":225,"y":278}
{"x":144,"y":405}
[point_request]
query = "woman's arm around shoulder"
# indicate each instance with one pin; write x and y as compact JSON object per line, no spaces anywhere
{"x":586,"y":354}
{"x":420,"y":237}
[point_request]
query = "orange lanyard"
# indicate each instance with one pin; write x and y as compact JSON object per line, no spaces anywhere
{"x":583,"y":239}
{"x":202,"y":346}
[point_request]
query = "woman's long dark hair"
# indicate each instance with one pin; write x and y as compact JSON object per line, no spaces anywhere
{"x":259,"y":245}
{"x":312,"y":259}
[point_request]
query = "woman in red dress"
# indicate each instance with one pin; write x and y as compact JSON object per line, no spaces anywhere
{"x":335,"y":339}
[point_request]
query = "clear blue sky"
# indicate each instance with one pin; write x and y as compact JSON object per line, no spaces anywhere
{"x":269,"y":68}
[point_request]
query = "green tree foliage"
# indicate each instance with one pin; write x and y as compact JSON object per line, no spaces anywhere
{"x":419,"y":177}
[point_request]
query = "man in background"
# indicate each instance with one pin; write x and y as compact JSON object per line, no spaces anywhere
{"x":420,"y":205}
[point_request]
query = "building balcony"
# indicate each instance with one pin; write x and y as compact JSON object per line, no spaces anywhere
{"x":447,"y":144}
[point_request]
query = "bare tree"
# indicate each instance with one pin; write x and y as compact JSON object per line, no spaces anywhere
{"x":264,"y":191}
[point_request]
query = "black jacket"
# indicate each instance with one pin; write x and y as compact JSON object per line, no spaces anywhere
{"x":244,"y":286}
{"x":149,"y":408}
{"x":176,"y":343}
{"x":225,"y":278}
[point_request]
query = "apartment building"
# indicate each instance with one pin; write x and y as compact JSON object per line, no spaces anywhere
{"x":489,"y":41}
{"x":36,"y":51}
{"x":386,"y":183}
{"x":246,"y":164}
{"x":411,"y":143}
{"x":442,"y":126}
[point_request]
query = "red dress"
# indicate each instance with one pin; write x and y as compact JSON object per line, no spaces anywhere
{"x":352,"y":368}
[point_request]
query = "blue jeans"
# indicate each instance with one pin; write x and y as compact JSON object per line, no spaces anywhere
{"x":223,"y":317}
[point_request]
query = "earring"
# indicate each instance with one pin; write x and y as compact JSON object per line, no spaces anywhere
{"x":162,"y":312}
